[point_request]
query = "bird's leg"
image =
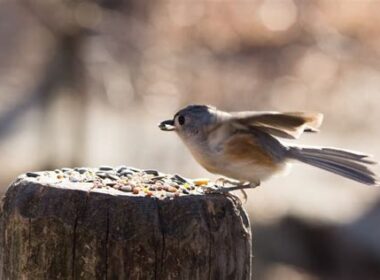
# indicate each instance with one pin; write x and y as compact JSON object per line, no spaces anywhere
{"x":240,"y":186}
{"x":236,"y":185}
{"x":222,"y":181}
{"x":220,"y":185}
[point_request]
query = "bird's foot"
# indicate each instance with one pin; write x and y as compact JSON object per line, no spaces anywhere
{"x":240,"y":186}
{"x":221,"y":182}
{"x":236,"y":185}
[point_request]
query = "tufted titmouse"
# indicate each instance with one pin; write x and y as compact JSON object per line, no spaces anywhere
{"x":242,"y":145}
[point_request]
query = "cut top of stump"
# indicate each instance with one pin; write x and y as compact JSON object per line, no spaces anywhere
{"x":121,"y":223}
{"x":121,"y":180}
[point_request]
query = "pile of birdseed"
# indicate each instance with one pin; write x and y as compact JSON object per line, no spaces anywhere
{"x":122,"y":180}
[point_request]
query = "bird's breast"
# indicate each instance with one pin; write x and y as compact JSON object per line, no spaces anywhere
{"x":205,"y":156}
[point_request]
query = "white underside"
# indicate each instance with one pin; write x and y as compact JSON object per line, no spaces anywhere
{"x":252,"y":172}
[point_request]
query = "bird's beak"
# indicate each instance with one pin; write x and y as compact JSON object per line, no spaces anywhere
{"x":167,"y":125}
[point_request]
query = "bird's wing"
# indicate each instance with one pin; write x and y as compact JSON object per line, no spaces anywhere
{"x":244,"y":147}
{"x":286,"y":125}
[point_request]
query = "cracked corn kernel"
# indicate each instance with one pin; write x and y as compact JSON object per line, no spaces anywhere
{"x":201,"y":182}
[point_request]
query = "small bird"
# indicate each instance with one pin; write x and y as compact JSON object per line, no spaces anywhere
{"x":243,"y":145}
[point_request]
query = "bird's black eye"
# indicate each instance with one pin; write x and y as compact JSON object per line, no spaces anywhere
{"x":181,"y":120}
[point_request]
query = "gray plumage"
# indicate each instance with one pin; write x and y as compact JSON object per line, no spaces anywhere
{"x":244,"y":145}
{"x":348,"y":164}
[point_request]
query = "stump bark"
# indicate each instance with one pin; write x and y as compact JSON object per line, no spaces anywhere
{"x":50,"y":232}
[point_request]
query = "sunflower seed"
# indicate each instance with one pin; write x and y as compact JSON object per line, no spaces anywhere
{"x":155,"y":178}
{"x":106,"y":168}
{"x":179,"y":179}
{"x":32,"y":174}
{"x":121,"y":168}
{"x":151,"y":172}
{"x":81,"y":170}
{"x":125,"y":173}
{"x":112,"y":177}
{"x":102,"y":175}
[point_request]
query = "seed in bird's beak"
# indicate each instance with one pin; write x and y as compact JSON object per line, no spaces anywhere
{"x":167,"y":125}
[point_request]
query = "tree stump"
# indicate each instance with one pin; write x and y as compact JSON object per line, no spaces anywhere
{"x":57,"y":227}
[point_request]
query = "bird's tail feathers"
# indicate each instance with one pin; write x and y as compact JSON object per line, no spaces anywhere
{"x":349,"y":164}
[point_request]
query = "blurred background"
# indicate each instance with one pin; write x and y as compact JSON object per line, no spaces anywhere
{"x":85,"y":83}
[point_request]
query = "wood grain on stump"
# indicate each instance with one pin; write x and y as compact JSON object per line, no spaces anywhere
{"x":76,"y":231}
